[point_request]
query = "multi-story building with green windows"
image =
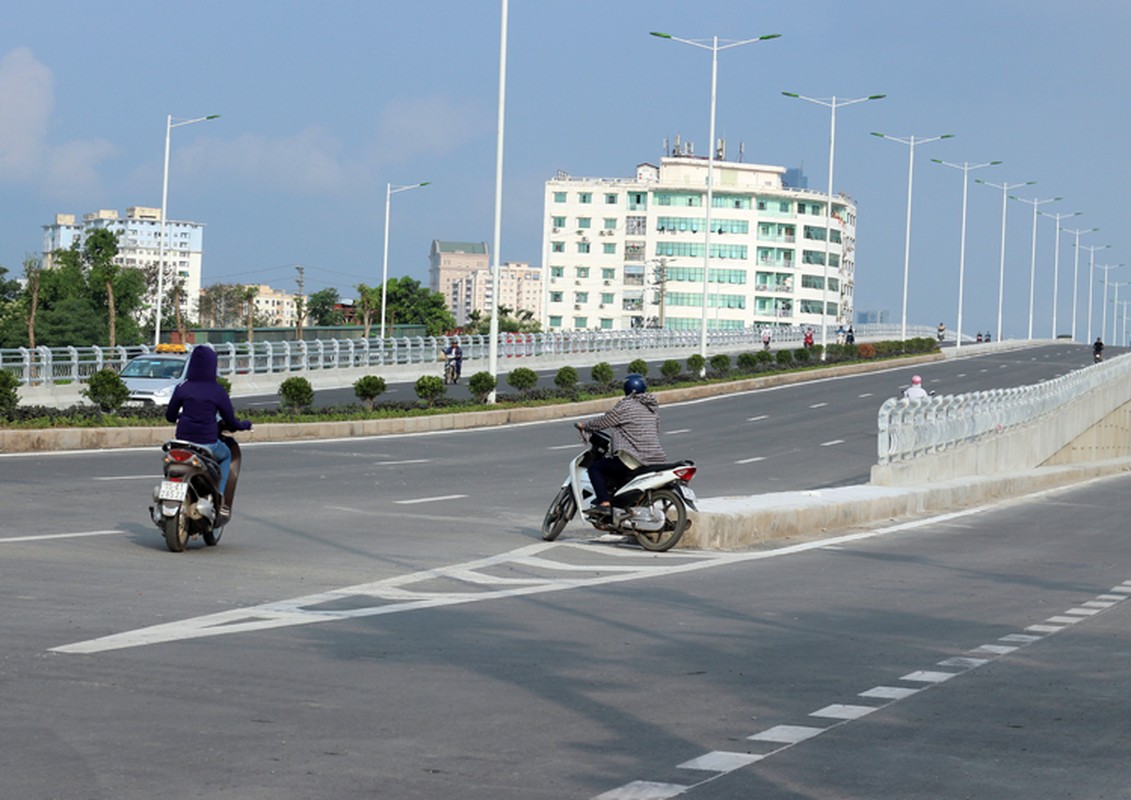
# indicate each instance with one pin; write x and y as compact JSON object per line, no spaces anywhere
{"x":630,"y":252}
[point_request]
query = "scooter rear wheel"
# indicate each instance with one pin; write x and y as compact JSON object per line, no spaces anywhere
{"x":671,"y":505}
{"x":561,"y":511}
{"x":211,"y":536}
{"x":175,"y":531}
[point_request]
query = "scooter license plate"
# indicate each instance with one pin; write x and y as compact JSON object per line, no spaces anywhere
{"x":688,"y":494}
{"x":172,"y":490}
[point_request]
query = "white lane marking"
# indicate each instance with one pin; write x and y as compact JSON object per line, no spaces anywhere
{"x":44,"y":536}
{"x":963,"y":662}
{"x":1064,"y":620}
{"x":436,"y":499}
{"x":1045,"y":628}
{"x":786,"y":734}
{"x":889,"y":692}
{"x":866,"y":394}
{"x":750,"y":460}
{"x":994,"y":649}
{"x":564,"y":447}
{"x":834,"y":441}
{"x":720,"y":761}
{"x":758,"y":418}
{"x":681,"y":430}
{"x":644,"y":790}
{"x":399,"y":463}
{"x":818,"y":405}
{"x":843,"y":711}
{"x":928,"y":676}
{"x":1020,"y":638}
{"x":151,"y":476}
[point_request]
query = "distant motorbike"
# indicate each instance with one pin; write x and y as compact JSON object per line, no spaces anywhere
{"x":187,"y":502}
{"x":451,"y":371}
{"x":651,"y":506}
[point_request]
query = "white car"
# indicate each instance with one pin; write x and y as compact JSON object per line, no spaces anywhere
{"x":151,"y":378}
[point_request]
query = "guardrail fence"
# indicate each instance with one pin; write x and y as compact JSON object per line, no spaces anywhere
{"x":53,"y":365}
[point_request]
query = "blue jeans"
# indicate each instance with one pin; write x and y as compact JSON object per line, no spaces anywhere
{"x":224,"y":456}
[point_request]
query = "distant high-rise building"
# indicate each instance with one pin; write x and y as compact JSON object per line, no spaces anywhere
{"x":139,"y":238}
{"x":629,"y":252}
{"x":461,"y":271}
{"x":872,"y":317}
{"x":794,"y":178}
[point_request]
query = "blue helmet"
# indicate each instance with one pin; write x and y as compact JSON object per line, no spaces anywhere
{"x":634,"y":384}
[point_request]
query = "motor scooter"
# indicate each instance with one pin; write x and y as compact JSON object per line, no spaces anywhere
{"x":187,"y":502}
{"x":651,"y":506}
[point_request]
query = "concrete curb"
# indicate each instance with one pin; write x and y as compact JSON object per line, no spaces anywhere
{"x":38,"y":440}
{"x":739,"y":523}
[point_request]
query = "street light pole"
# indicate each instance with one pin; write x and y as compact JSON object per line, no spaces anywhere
{"x":1036,"y":204}
{"x":493,"y":344}
{"x":1092,"y":279}
{"x":715,"y":48}
{"x":169,"y":125}
{"x":832,"y":104}
{"x":1076,"y":270}
{"x":911,"y":141}
{"x":965,"y":166}
{"x":1005,"y":187}
{"x":390,"y":190}
{"x":1106,"y":268}
{"x":1056,"y":262}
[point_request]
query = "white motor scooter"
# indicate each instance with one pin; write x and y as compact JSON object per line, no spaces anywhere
{"x":651,"y":506}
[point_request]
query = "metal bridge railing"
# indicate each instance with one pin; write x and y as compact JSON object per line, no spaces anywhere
{"x":912,"y":428}
{"x":53,"y":365}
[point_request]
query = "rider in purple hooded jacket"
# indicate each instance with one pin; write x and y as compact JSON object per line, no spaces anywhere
{"x":196,"y":404}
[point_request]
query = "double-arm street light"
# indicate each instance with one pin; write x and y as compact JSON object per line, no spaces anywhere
{"x":1115,"y":319}
{"x":910,"y":141}
{"x":1005,"y":187}
{"x":390,"y":190}
{"x":965,"y":166}
{"x":1056,"y":261}
{"x":1106,"y":268}
{"x":1076,"y":269}
{"x":1036,"y":204}
{"x":715,"y":47}
{"x":169,"y":125}
{"x":832,"y":103}
{"x":1092,"y":279}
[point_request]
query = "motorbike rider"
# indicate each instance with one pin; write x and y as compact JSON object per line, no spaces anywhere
{"x":455,"y":353}
{"x":1098,"y":350}
{"x":634,"y":425}
{"x":915,"y":391}
{"x":195,"y":406}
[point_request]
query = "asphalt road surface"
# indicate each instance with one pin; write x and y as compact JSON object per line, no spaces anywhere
{"x":381,"y":620}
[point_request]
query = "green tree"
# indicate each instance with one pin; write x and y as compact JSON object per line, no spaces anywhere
{"x":367,"y":388}
{"x":429,"y":388}
{"x":566,"y":379}
{"x":409,"y":303}
{"x":296,"y":394}
{"x":107,"y":390}
{"x":481,"y":384}
{"x":247,"y":296}
{"x":98,"y":253}
{"x":368,"y":305}
{"x":522,"y":378}
{"x":602,"y":374}
{"x":321,"y":306}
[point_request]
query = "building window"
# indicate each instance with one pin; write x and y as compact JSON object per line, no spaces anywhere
{"x":585,"y":197}
{"x":610,"y":199}
{"x":558,"y":222}
{"x":559,"y":197}
{"x":557,"y":247}
{"x":582,"y":272}
{"x":555,"y":322}
{"x":610,"y":223}
{"x":606,"y":324}
{"x":580,"y":322}
{"x":609,"y":249}
{"x":555,"y":297}
{"x":812,"y":282}
{"x":608,"y":298}
{"x":584,"y":222}
{"x":608,"y":274}
{"x":583,"y":247}
{"x":557,"y":272}
{"x":636,"y":226}
{"x":581,"y":297}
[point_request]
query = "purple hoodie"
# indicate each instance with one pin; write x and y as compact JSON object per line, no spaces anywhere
{"x":196,"y":402}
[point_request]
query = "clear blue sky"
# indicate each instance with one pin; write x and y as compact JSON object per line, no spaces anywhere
{"x":323,"y":103}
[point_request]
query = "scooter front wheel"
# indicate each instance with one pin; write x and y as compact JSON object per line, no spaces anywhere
{"x":211,"y":535}
{"x":674,"y":511}
{"x":175,"y":531}
{"x":561,"y":511}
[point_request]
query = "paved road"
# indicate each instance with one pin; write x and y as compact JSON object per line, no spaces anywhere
{"x":365,"y":631}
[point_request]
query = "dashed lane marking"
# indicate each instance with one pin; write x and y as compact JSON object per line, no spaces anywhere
{"x":750,"y":460}
{"x":400,"y":463}
{"x":758,"y":418}
{"x":680,"y":430}
{"x":834,"y":441}
{"x":429,"y":499}
{"x":151,"y":476}
{"x":818,"y":405}
{"x":788,"y":736}
{"x":45,"y":536}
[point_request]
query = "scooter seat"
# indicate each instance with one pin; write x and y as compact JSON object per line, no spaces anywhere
{"x":661,"y":467}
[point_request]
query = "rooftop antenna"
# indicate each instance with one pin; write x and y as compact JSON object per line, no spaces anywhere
{"x":741,"y":151}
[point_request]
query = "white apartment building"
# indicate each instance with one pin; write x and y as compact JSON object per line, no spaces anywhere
{"x":276,"y":307}
{"x":629,"y":252}
{"x":461,"y":271}
{"x":139,"y":237}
